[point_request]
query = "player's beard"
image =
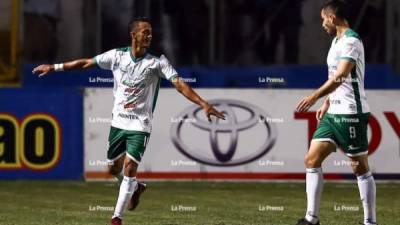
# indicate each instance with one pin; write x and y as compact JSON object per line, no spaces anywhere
{"x":330,"y":31}
{"x":333,"y":32}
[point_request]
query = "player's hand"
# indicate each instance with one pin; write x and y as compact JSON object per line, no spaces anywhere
{"x":43,"y":70}
{"x":321,"y":111}
{"x":211,"y":111}
{"x":306,"y":103}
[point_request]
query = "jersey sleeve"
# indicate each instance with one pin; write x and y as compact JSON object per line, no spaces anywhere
{"x":167,"y":71}
{"x":351,"y":50}
{"x":105,"y":60}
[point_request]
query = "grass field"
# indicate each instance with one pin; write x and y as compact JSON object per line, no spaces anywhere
{"x":186,"y":203}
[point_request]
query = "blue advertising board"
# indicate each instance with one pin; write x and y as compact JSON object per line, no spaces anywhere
{"x":41,"y":133}
{"x":279,"y":76}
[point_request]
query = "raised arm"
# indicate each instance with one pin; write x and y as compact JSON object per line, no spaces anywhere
{"x":44,"y":69}
{"x":190,"y":94}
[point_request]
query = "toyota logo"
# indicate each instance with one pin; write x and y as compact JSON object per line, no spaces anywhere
{"x":234,"y":125}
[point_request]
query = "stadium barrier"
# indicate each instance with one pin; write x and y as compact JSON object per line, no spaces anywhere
{"x":51,"y":129}
{"x":300,"y":77}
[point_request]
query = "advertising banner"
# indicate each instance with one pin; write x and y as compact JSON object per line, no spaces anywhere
{"x":41,"y":134}
{"x":263,"y":137}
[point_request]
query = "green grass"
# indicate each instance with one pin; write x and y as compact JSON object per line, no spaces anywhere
{"x":70,"y":203}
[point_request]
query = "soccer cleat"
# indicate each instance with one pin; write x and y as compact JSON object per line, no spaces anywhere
{"x":135,"y":197}
{"x":303,"y":221}
{"x":116,"y":221}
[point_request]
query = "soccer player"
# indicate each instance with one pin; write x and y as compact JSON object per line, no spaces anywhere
{"x":137,"y":76}
{"x":343,"y":117}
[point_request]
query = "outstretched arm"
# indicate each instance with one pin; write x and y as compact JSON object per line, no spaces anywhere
{"x":344,"y":69}
{"x":190,"y":94}
{"x":76,"y":64}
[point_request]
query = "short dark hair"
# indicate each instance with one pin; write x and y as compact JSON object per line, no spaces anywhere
{"x":338,"y":7}
{"x":136,"y":21}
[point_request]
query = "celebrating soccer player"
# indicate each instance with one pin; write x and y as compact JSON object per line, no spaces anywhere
{"x":343,"y":117}
{"x":137,"y":77}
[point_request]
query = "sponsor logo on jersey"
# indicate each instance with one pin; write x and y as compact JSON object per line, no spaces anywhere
{"x":130,"y":105}
{"x":148,"y":71}
{"x":351,"y":147}
{"x":131,"y":91}
{"x":128,"y":83}
{"x":335,"y":101}
{"x":127,"y":116}
{"x":117,"y":60}
{"x":146,"y":122}
{"x":352,"y":107}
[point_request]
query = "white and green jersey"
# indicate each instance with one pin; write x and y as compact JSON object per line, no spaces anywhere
{"x":349,"y":97}
{"x":136,"y":84}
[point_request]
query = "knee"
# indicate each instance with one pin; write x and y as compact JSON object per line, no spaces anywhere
{"x":130,"y":168}
{"x":311,"y":162}
{"x":129,"y":165}
{"x":114,"y":170}
{"x":359,"y":168}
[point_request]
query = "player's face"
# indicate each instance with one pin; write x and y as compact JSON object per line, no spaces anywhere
{"x":327,"y":22}
{"x":143,"y":35}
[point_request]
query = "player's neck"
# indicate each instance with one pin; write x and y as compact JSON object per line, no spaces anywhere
{"x":138,"y":52}
{"x":340,"y":30}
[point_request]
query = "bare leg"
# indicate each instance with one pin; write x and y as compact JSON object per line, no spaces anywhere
{"x":317,"y":153}
{"x":115,"y":168}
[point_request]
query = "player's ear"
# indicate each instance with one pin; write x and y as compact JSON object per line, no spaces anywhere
{"x":332,"y":18}
{"x":132,"y":34}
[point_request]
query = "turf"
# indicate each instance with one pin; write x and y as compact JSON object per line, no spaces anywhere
{"x":186,"y":203}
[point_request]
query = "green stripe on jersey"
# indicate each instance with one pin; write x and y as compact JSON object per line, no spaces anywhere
{"x":123,"y":49}
{"x":173,"y":77}
{"x":351,"y":33}
{"x":348,"y":58}
{"x":356,"y":90}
